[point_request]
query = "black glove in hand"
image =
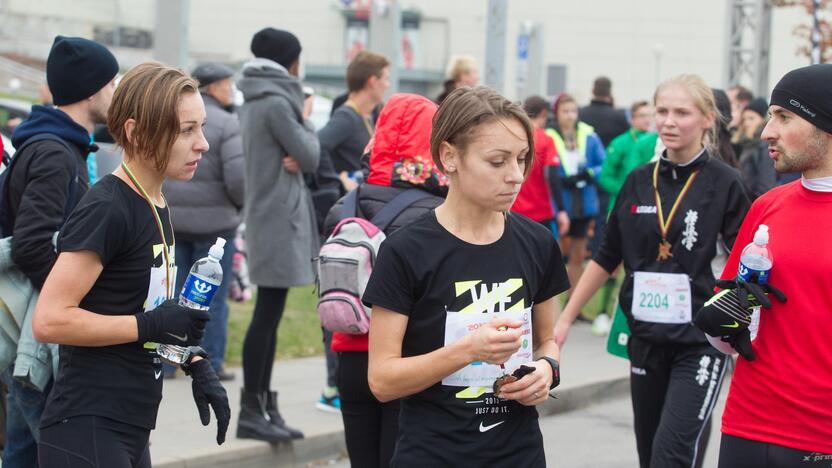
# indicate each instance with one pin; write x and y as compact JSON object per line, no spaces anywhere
{"x":569,"y":181}
{"x":752,"y":294}
{"x":209,"y":392}
{"x":727,"y":315}
{"x":171,"y":323}
{"x":585,"y":176}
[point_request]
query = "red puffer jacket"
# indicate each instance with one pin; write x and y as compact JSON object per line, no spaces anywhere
{"x":400,"y":159}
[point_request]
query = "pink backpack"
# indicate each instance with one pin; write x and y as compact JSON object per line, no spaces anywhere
{"x":346,"y":260}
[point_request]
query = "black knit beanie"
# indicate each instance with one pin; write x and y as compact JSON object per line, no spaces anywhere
{"x":77,"y":68}
{"x":276,"y":45}
{"x":758,"y":105}
{"x":806,"y":92}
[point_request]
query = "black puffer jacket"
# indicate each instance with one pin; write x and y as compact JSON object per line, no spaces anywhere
{"x":372,"y":198}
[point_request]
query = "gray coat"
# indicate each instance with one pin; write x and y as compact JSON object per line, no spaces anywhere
{"x":281,"y":235}
{"x":209,"y":204}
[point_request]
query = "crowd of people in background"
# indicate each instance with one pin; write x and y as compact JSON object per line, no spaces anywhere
{"x":533,"y":200}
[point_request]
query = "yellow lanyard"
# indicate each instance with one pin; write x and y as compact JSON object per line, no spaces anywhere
{"x":165,"y":248}
{"x":366,"y":120}
{"x":664,"y":225}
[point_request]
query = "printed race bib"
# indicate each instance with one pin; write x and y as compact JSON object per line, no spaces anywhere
{"x":661,"y":297}
{"x":481,"y":374}
{"x":157,"y":289}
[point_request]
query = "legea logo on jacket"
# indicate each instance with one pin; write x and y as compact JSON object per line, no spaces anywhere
{"x":642,"y":209}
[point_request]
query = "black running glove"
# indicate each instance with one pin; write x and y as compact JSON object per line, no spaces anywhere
{"x":208,"y":392}
{"x":585,"y":175}
{"x":171,"y":323}
{"x":727,"y":315}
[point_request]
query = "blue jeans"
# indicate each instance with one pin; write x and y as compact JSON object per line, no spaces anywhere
{"x":216,"y":332}
{"x":24,"y":406}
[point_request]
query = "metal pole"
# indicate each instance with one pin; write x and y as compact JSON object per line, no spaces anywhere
{"x":816,"y":58}
{"x":386,"y":37}
{"x":495,"y":44}
{"x":170,"y":41}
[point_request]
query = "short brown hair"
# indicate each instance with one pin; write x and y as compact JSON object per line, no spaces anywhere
{"x":149,"y":94}
{"x":534,"y":105}
{"x":464,"y":110}
{"x":602,"y":87}
{"x":362,"y":67}
{"x":636,"y":106}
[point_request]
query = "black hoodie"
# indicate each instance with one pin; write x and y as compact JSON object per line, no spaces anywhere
{"x":39,"y":187}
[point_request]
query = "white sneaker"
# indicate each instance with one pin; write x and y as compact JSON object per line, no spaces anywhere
{"x":601,"y":325}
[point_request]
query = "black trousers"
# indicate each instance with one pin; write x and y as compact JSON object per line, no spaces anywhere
{"x":93,"y":442}
{"x":674,"y":389}
{"x":736,"y":452}
{"x":261,"y":338}
{"x":370,"y":427}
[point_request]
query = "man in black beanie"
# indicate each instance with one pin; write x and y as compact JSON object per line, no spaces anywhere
{"x":279,"y":146}
{"x":46,"y":178}
{"x":778,"y":412}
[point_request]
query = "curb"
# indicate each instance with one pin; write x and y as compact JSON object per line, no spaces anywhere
{"x":331,"y":444}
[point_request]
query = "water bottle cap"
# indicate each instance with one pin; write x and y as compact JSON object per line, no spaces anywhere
{"x":217,"y":249}
{"x":761,"y":236}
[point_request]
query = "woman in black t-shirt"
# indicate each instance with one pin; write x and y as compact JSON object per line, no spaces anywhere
{"x":664,"y":229}
{"x":463,"y":291}
{"x":108,"y":298}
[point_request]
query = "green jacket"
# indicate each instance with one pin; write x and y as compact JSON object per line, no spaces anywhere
{"x":625,"y":153}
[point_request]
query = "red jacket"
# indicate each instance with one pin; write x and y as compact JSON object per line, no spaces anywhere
{"x":534,"y":200}
{"x":400,"y":158}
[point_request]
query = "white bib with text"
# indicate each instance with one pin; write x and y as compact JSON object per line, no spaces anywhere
{"x":661,"y":297}
{"x":481,"y":374}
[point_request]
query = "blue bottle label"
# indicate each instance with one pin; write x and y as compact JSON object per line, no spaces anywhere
{"x":199,"y":290}
{"x":751,"y":275}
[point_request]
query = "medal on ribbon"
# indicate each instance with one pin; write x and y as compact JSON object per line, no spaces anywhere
{"x":665,"y":247}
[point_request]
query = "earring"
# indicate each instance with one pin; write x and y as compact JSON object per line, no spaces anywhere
{"x":451,"y":168}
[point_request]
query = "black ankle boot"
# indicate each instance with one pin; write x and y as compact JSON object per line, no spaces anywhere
{"x":276,"y":419}
{"x":253,"y":422}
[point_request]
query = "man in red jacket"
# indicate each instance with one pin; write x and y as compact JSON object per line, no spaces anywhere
{"x":779,"y":409}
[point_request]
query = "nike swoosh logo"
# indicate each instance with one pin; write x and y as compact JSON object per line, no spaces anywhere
{"x":182,"y":338}
{"x":489,"y":427}
{"x":735,"y":325}
{"x":158,"y":374}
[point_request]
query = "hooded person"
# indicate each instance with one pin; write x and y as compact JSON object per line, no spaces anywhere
{"x":45,"y":181}
{"x":280,"y":145}
{"x":399,"y":160}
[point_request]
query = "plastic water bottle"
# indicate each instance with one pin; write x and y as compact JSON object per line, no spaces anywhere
{"x":756,"y":260}
{"x":197,"y":292}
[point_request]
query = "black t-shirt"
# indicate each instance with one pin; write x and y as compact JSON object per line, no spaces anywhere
{"x":426,"y":273}
{"x":122,"y":382}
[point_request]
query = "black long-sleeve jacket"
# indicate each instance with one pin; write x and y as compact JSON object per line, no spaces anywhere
{"x":715,"y":204}
{"x":38,"y":188}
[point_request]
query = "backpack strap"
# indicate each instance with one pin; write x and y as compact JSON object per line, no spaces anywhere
{"x":394,"y":208}
{"x":349,"y":208}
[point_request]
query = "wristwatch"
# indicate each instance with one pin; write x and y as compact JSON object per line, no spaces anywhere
{"x":189,"y":354}
{"x":555,"y":370}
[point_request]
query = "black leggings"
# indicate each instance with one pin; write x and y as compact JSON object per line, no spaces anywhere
{"x":261,"y":338}
{"x":736,"y":452}
{"x":93,"y":442}
{"x":370,"y":427}
{"x":674,"y":389}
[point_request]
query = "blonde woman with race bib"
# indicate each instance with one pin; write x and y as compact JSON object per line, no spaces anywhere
{"x":664,"y":228}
